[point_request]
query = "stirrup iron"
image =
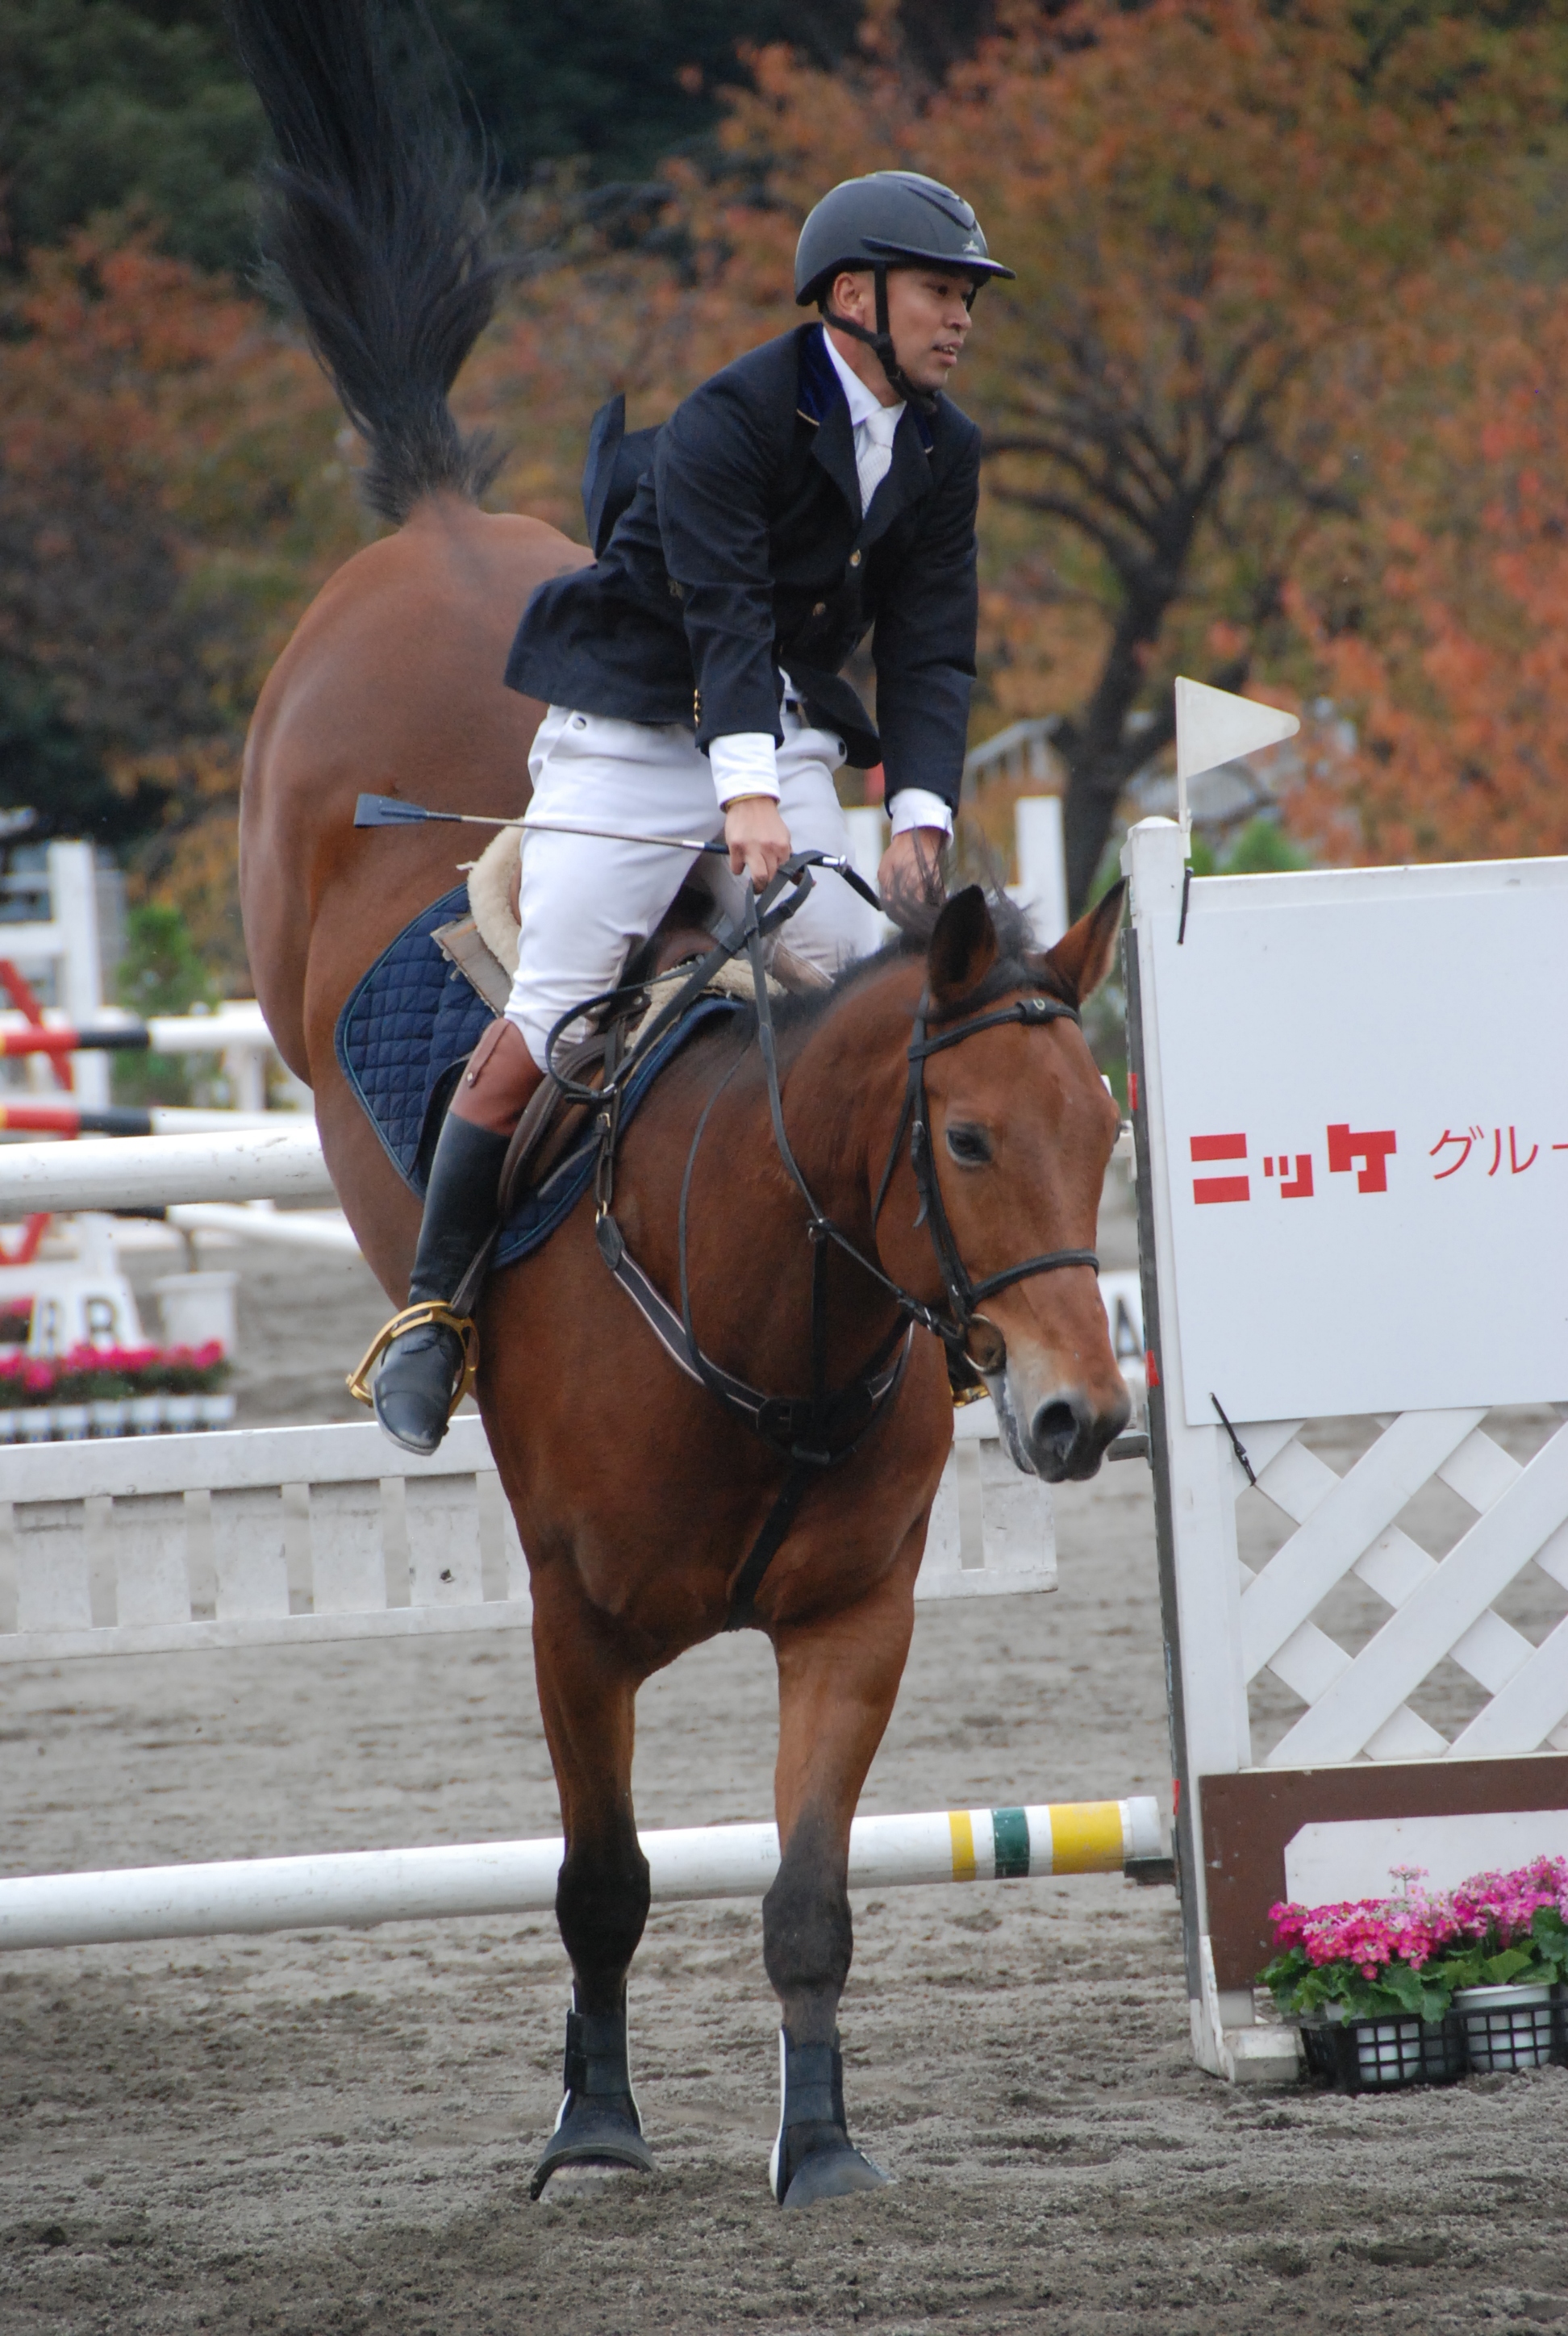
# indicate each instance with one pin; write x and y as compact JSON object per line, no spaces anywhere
{"x":429,"y":1313}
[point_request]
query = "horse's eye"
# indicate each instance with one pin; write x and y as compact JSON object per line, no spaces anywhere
{"x":969,"y":1147}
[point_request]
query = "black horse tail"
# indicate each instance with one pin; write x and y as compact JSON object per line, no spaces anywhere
{"x":375,"y":218}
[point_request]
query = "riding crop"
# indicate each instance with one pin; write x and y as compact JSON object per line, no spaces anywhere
{"x":391,"y":811}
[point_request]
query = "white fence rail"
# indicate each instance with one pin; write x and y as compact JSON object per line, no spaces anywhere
{"x":285,"y":1535}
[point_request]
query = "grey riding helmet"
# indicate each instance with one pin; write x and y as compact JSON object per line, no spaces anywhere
{"x":891,"y":219}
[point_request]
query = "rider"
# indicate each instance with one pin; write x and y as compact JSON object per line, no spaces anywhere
{"x":820,"y":486}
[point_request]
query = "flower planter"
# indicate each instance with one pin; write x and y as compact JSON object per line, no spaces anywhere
{"x":1377,"y":2056}
{"x":142,"y":1415}
{"x":111,"y":1391}
{"x":1511,"y":2027}
{"x":1490,"y":1957}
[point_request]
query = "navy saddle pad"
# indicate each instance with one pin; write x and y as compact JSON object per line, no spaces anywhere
{"x":408,"y":1028}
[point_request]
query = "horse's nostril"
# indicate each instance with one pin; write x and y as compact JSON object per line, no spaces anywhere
{"x":1068,"y":1433}
{"x":1055,"y":1428}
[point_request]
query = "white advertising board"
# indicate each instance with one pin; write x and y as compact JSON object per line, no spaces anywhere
{"x":1365,"y":1084}
{"x":1361,"y":1857}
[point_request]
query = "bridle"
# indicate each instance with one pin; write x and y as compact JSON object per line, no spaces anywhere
{"x":965,"y":1295}
{"x":819,"y":1432}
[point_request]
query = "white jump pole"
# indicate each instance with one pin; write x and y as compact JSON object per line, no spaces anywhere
{"x":150,"y":1171}
{"x":284,"y":1228}
{"x":365,"y":1887}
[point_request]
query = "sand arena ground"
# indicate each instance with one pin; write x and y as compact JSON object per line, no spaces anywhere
{"x":334,"y":2132}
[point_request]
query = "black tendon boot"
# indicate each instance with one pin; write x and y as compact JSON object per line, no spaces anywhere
{"x":421,"y":1370}
{"x":813,"y":2157}
{"x":599,"y":2123}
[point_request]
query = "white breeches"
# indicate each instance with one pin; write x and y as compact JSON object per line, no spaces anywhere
{"x":585,"y":900}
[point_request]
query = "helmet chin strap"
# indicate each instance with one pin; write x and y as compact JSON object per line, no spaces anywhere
{"x":881,"y":340}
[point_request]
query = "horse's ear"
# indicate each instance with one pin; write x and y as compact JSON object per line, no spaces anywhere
{"x":1088,"y":950}
{"x":962,"y":948}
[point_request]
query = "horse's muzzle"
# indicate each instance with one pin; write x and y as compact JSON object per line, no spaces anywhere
{"x":1067,"y":1435}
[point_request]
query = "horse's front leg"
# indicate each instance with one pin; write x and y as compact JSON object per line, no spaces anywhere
{"x":588,"y":1695}
{"x":838,"y":1679}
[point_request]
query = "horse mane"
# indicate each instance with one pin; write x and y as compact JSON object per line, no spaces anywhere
{"x":376,"y":220}
{"x":1020,"y":964}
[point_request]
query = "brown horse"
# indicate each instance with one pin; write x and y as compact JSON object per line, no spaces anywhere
{"x":637,"y":1495}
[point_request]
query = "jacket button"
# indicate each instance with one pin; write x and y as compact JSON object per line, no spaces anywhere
{"x":821,"y":608}
{"x":854,"y":559}
{"x":674,"y":591}
{"x":696,"y":704}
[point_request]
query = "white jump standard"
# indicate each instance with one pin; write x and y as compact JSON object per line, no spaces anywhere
{"x":1327,"y":1228}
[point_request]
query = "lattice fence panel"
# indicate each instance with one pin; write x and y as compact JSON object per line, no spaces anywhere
{"x":1440,"y":1608}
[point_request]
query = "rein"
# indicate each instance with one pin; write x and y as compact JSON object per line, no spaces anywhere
{"x":819,"y":1432}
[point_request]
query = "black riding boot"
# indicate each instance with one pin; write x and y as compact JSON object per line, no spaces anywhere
{"x":813,"y":2157}
{"x":422,"y":1368}
{"x":421,"y":1371}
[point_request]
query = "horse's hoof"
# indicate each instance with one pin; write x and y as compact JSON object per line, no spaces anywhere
{"x":588,"y":2178}
{"x":412,"y":1390}
{"x":833,"y":2172}
{"x":593,"y":2135}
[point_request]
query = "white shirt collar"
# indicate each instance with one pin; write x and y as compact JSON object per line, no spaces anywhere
{"x":863,"y":405}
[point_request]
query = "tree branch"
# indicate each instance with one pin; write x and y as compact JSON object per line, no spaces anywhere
{"x":1125,"y":562}
{"x":1093,"y":478}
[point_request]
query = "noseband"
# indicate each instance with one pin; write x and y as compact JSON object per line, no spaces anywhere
{"x":820,"y":1432}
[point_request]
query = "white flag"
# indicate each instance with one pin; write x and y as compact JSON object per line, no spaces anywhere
{"x":1214,"y":727}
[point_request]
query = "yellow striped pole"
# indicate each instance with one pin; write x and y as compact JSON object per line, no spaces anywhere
{"x":396,"y":1885}
{"x":1005,"y":1845}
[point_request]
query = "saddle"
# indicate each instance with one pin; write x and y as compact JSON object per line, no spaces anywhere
{"x":413,"y":1020}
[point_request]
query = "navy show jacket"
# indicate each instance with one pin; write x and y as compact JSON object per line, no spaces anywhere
{"x":742,"y":548}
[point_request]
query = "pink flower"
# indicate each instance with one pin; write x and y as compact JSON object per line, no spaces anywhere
{"x":1502,"y":1906}
{"x":1491,"y":1909}
{"x":1367,"y":1933}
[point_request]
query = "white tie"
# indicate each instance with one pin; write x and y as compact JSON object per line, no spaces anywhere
{"x":874,"y":449}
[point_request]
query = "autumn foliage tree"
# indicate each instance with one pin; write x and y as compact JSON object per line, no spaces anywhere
{"x":1443,"y":632}
{"x":171,"y":489}
{"x":1239,"y":409}
{"x":1233,"y":227}
{"x":1241,"y":234}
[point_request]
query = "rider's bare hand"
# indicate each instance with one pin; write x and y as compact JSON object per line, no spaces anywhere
{"x":911,"y":867}
{"x":758,"y":839}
